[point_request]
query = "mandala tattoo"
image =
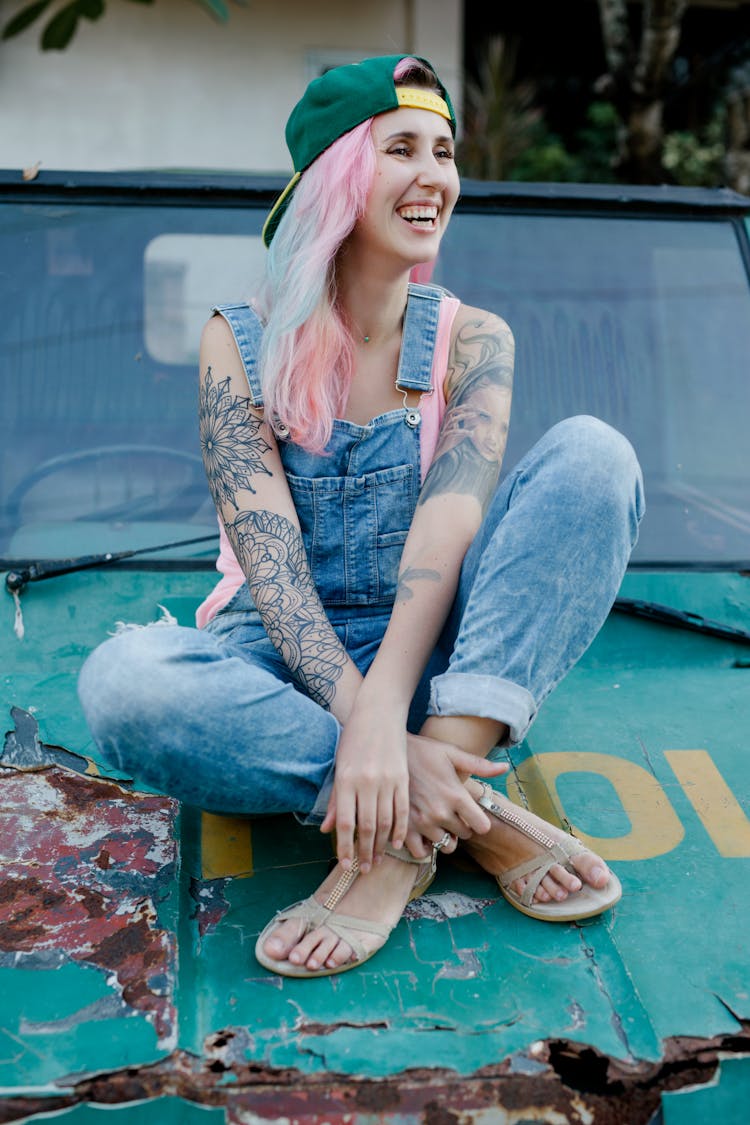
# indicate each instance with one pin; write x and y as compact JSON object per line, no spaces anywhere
{"x":231,"y":443}
{"x":404,"y":592}
{"x":270,"y":550}
{"x":474,"y":431}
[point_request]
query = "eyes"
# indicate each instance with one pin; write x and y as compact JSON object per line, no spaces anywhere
{"x":406,"y":149}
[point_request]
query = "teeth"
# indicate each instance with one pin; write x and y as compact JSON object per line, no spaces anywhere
{"x":419,"y":214}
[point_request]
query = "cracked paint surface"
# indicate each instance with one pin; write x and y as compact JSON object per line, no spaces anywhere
{"x":552,"y":1083}
{"x":84,"y":866}
{"x":471,"y":1014}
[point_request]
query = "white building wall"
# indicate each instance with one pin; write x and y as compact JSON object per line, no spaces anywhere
{"x":168,"y":87}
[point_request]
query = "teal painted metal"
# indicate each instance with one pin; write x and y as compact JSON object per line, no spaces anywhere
{"x":466,"y":981}
{"x":158,"y":1111}
{"x":724,"y":1100}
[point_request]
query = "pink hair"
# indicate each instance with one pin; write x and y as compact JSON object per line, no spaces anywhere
{"x":307,"y":358}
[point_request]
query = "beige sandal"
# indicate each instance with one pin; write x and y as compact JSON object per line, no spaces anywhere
{"x":345,"y":927}
{"x":584,"y":903}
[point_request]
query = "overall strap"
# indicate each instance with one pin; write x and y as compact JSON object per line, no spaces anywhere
{"x":247,"y":330}
{"x":418,"y":341}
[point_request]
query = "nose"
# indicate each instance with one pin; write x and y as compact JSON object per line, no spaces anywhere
{"x":432,"y":172}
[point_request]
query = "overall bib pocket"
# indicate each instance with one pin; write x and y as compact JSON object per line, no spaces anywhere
{"x":354,"y":530}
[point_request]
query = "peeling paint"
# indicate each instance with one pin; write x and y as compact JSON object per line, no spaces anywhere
{"x":556,"y":1082}
{"x":446,"y":906}
{"x":85,"y":864}
{"x":468,"y":967}
{"x":107,"y":1008}
{"x":210,"y":903}
{"x":23,"y":749}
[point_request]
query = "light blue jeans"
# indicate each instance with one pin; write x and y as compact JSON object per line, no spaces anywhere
{"x":213,"y":717}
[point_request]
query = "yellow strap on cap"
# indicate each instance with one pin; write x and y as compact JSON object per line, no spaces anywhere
{"x":416,"y":98}
{"x":277,"y":205}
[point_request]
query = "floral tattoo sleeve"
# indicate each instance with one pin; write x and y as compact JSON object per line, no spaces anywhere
{"x":267,"y":545}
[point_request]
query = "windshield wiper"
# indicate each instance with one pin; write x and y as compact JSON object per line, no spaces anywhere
{"x":681,"y":619}
{"x":15,"y":580}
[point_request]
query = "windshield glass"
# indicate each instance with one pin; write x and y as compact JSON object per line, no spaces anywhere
{"x":104,"y":307}
{"x":642,"y":322}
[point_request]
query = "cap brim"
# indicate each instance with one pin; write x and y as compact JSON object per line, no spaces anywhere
{"x":277,"y":211}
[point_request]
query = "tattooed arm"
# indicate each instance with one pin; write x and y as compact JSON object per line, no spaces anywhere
{"x":454,"y":496}
{"x":479,"y":385}
{"x":249,"y":489}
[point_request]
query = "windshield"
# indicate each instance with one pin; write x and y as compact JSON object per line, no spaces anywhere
{"x":642,"y":322}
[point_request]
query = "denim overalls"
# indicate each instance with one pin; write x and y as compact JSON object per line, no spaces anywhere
{"x":355,"y":503}
{"x":213,"y":717}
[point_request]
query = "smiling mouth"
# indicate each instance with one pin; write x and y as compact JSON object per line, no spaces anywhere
{"x":420,"y":217}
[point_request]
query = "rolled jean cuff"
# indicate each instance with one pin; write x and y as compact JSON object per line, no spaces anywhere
{"x":484,"y":697}
{"x":317,"y":813}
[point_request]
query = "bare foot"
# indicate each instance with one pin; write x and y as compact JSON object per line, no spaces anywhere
{"x":504,"y":846}
{"x":379,"y":896}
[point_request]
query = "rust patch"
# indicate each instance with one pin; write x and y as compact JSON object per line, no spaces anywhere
{"x":84,"y":865}
{"x":555,"y":1081}
{"x":210,"y":903}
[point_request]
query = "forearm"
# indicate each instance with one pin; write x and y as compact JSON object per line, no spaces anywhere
{"x":426,"y":589}
{"x":247,"y":482}
{"x":270,"y":550}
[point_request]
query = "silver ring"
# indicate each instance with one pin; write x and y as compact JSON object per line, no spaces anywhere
{"x":447,"y":839}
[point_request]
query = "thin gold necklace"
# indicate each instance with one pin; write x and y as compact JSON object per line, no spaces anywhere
{"x":366,"y":339}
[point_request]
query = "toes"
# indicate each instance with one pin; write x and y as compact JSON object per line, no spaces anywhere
{"x":555,"y":890}
{"x":307,"y":950}
{"x":321,"y":954}
{"x":541,"y":894}
{"x":281,"y":941}
{"x":592,"y":870}
{"x":556,"y":885}
{"x":313,"y":950}
{"x":341,"y":955}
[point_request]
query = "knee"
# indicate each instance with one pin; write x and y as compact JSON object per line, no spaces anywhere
{"x":600,"y":460}
{"x":123,"y":680}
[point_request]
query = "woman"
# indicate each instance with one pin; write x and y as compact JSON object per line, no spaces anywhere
{"x":387,"y":614}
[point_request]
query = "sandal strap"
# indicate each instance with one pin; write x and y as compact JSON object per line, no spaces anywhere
{"x":345,"y":927}
{"x":428,"y":864}
{"x":323,"y":914}
{"x":537,"y":867}
{"x":511,"y":816}
{"x":307,"y":910}
{"x":541,"y":863}
{"x":343,"y":883}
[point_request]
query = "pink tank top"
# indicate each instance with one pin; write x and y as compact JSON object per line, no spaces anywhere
{"x":432,"y":408}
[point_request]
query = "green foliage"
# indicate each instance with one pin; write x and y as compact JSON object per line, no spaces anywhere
{"x":506,"y":136}
{"x":697,"y":159}
{"x":62,"y":26}
{"x":500,"y":115}
{"x":590,"y":160}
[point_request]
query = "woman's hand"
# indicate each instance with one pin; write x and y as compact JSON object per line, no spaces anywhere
{"x":438,"y":799}
{"x":370,"y":798}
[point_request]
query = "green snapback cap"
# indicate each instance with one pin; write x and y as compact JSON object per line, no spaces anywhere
{"x":339,"y":100}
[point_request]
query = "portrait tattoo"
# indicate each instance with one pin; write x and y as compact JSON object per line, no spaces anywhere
{"x":404,"y":592}
{"x":231,"y":442}
{"x":474,"y":432}
{"x":270,"y":550}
